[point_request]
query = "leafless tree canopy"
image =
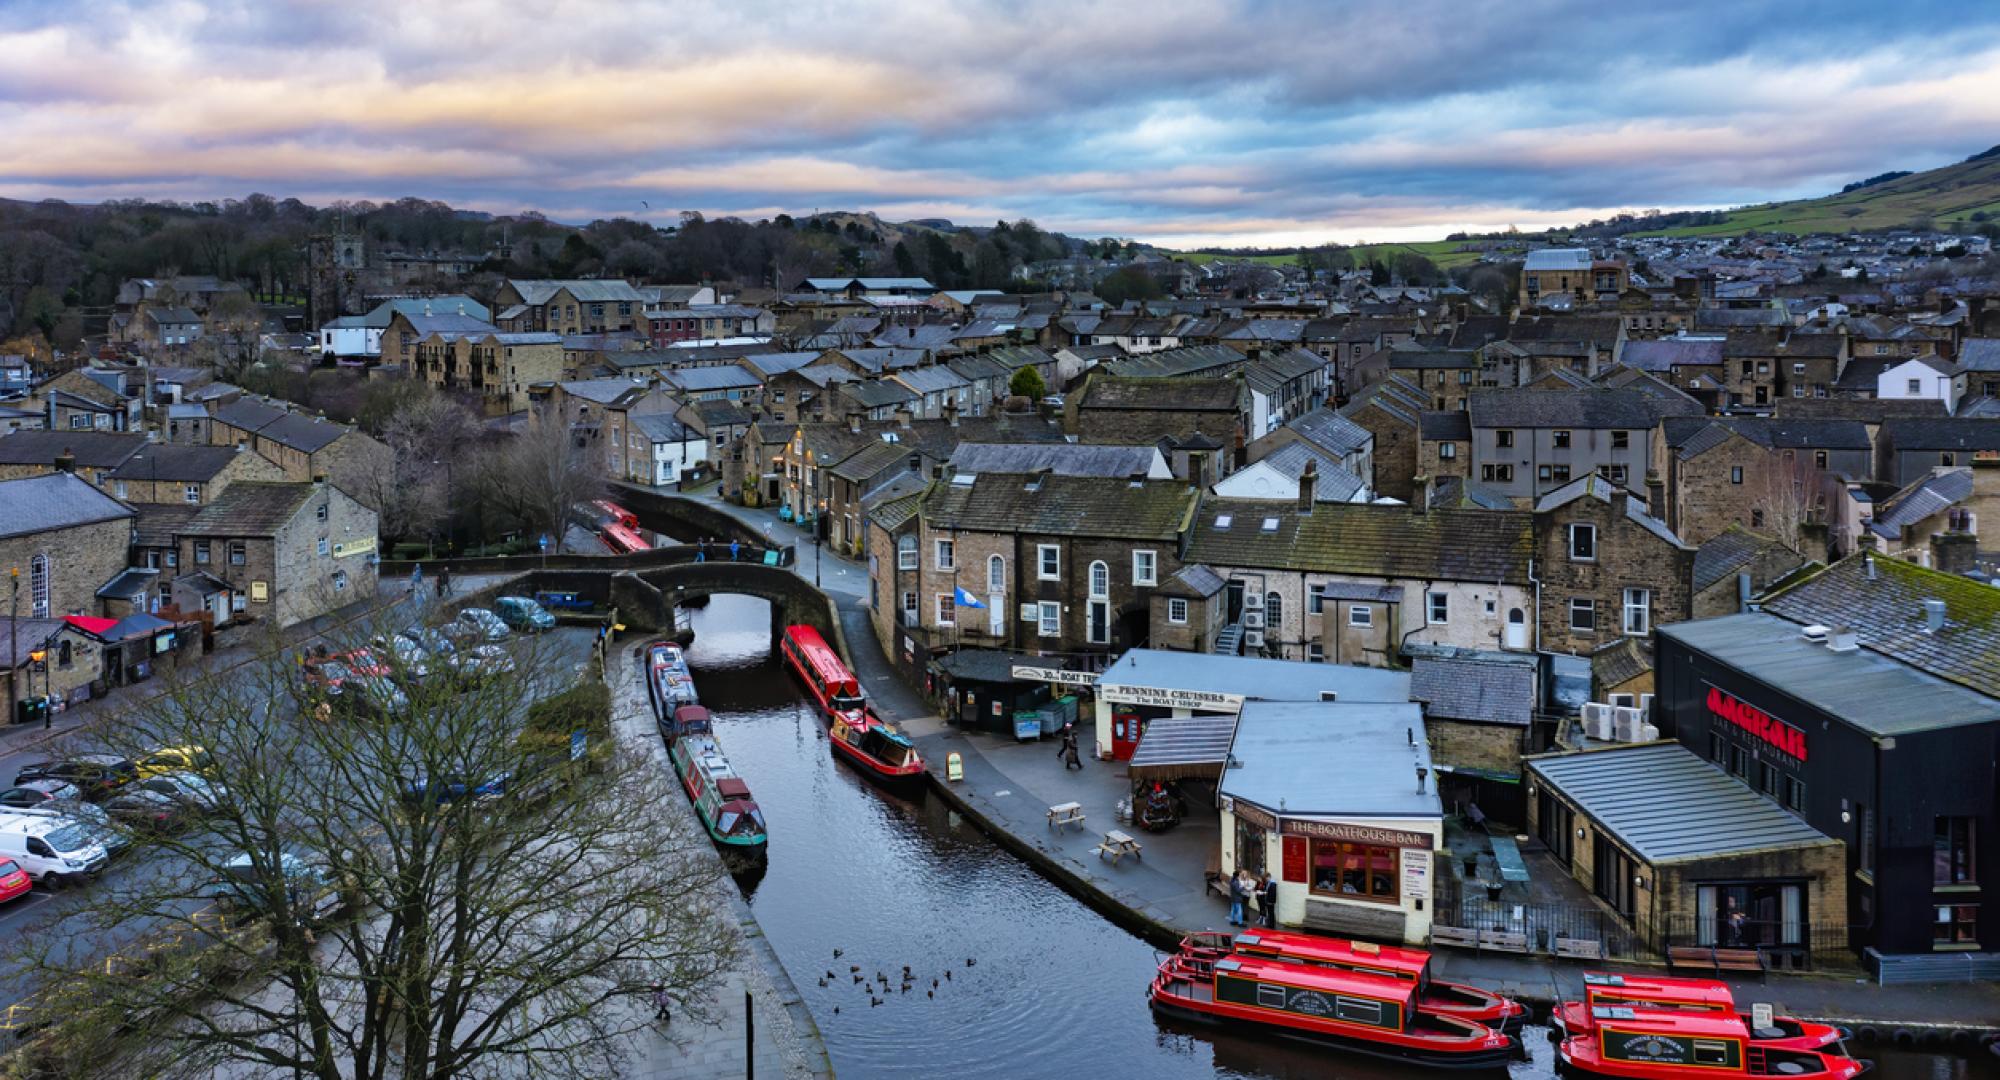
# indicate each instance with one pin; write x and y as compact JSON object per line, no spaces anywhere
{"x":428,"y":436}
{"x":483,"y":935}
{"x":539,"y":474}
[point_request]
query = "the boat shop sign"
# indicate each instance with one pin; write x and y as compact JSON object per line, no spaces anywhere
{"x":1170,"y":698}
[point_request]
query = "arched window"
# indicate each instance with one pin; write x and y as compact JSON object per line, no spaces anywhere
{"x":1516,"y":616}
{"x":1274,"y":612}
{"x":38,"y":586}
{"x":996,"y":574}
{"x":1100,"y":580}
{"x":906,"y":552}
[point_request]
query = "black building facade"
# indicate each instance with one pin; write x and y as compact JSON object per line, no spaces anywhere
{"x":1898,"y":764}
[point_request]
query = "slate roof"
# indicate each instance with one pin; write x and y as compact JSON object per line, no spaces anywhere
{"x":1931,"y":495}
{"x":1980,"y":354}
{"x":92,"y":449}
{"x":701,"y":380}
{"x":1453,"y":426}
{"x":167,"y":461}
{"x":927,"y":336}
{"x":1489,"y":689}
{"x":1596,"y":329}
{"x":893,"y":513}
{"x":131,"y":583}
{"x":1727,"y":552}
{"x":1522,"y":408}
{"x":249,"y":508}
{"x":1665,"y":354}
{"x":1192,"y":360}
{"x":1270,"y":374}
{"x":58,"y":500}
{"x":1665,"y":804}
{"x":1190,"y":394}
{"x":1888,"y":614}
{"x":1450,"y":491}
{"x":1693,"y":436}
{"x":1867,"y":410}
{"x":1574,"y":260}
{"x":1016,"y":357}
{"x":600,"y":391}
{"x":1062,"y":459}
{"x":1621,"y":661}
{"x":868,"y":461}
{"x":1365,"y":539}
{"x":538,"y":290}
{"x":1194,"y":581}
{"x":662,"y":428}
{"x":304,"y":433}
{"x":158,"y":523}
{"x":1941,"y":433}
{"x":1331,"y":432}
{"x":1393,"y":395}
{"x":769,"y":364}
{"x":875,"y":393}
{"x":1062,"y":506}
{"x":931,"y":380}
{"x":1597,"y":487}
{"x":1406,"y":359}
{"x":879,"y":360}
{"x":1334,"y":484}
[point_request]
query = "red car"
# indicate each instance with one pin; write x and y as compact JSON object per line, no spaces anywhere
{"x":13,"y":880}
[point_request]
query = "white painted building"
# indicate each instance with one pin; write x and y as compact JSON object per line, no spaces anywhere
{"x":1922,"y":377}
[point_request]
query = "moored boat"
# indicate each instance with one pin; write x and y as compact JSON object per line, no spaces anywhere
{"x":1397,"y":962}
{"x":874,"y":746}
{"x":721,"y":799}
{"x":1366,"y":1013}
{"x":1694,"y":995}
{"x":834,"y":689}
{"x":1641,"y":1043}
{"x":669,"y":682}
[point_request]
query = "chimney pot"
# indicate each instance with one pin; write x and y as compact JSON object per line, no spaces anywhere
{"x":1934,"y":611}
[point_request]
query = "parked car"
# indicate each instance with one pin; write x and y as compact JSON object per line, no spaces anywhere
{"x":358,"y":680}
{"x":311,"y":889}
{"x":203,"y":795}
{"x":149,"y":811}
{"x":476,"y":626}
{"x":89,"y":815}
{"x":39,"y":793}
{"x":176,"y":759}
{"x":482,"y":662}
{"x":97,"y":775}
{"x":52,"y":850}
{"x":522,"y":613}
{"x":14,"y":881}
{"x":453,"y":789}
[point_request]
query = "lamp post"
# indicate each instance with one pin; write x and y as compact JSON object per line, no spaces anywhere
{"x":13,"y":637}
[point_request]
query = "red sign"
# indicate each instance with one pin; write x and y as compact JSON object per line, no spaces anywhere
{"x":1757,"y":722}
{"x":1295,"y":859}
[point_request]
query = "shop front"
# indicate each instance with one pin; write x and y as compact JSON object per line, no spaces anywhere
{"x":1146,"y":684}
{"x":1336,"y":803}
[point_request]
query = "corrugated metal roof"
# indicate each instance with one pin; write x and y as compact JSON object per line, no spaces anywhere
{"x":1254,"y":677}
{"x":1666,"y":804}
{"x":1177,"y":746}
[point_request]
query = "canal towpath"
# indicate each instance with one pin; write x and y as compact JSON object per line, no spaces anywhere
{"x":1008,"y":788}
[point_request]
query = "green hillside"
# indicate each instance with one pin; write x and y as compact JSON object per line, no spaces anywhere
{"x":1952,"y":193}
{"x":1445,"y":253}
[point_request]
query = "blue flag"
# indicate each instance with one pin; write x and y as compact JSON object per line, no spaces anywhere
{"x":965,"y":599}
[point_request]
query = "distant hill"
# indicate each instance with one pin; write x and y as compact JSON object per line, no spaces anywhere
{"x":1940,"y":196}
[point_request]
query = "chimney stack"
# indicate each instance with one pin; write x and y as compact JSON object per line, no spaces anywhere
{"x":1934,"y":616}
{"x":1308,"y":487}
{"x":66,"y":461}
{"x":854,"y":423}
{"x":951,"y":412}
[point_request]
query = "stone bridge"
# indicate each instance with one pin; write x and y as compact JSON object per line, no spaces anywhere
{"x":685,"y":519}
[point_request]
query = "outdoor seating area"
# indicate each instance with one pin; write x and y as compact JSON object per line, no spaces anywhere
{"x":1116,"y":846}
{"x":1063,"y":815}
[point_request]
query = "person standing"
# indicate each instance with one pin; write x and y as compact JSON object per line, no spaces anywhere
{"x":701,"y":550}
{"x":1267,"y":900}
{"x":735,"y":547}
{"x":416,"y":579}
{"x":444,"y":582}
{"x":662,"y":1003}
{"x":1237,"y":894}
{"x":1070,"y":759}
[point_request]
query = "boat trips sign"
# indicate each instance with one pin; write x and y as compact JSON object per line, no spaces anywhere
{"x":1055,"y":675}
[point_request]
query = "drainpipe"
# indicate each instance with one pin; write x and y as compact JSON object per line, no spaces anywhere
{"x":1537,"y":583}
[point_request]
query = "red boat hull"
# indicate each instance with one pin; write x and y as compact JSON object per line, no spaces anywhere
{"x":1572,"y":1018}
{"x":1580,"y":1056}
{"x":903,"y":779}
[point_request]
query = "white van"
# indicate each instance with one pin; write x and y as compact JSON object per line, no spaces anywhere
{"x":52,"y":850}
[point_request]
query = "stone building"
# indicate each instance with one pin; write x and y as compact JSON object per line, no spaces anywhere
{"x":1527,"y":443}
{"x":1606,"y":567}
{"x":307,"y":448}
{"x":1119,"y":409}
{"x":1725,"y":561}
{"x":1390,"y":412}
{"x":194,"y":475}
{"x":65,"y":538}
{"x":496,"y":367}
{"x":287,"y":552}
{"x":93,"y":455}
{"x":1760,"y":473}
{"x":1188,"y":610}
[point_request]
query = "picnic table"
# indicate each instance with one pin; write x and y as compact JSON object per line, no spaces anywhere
{"x":1069,"y":813}
{"x":1117,"y":845}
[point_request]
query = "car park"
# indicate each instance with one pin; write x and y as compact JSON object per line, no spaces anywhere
{"x":89,"y":815}
{"x":359,"y":681}
{"x":39,"y":793}
{"x":96,"y":775}
{"x":482,"y":662}
{"x":149,"y":811}
{"x":14,"y":881}
{"x":311,"y":890}
{"x":522,"y":613}
{"x":52,"y":850}
{"x":491,"y":626}
{"x":200,"y":795}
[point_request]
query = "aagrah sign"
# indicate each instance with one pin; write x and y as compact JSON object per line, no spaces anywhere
{"x":1770,"y":729}
{"x":1360,"y":834}
{"x":1170,"y":699}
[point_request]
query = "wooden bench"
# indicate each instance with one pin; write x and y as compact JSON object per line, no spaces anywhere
{"x":1717,"y":960}
{"x":1117,"y":845}
{"x":1212,"y":879}
{"x":1579,"y":948}
{"x":1064,"y":814}
{"x":1454,"y":935}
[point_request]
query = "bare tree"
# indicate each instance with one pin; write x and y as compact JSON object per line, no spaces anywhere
{"x":414,"y":487}
{"x":502,"y":903}
{"x":544,"y":470}
{"x":1789,"y":495}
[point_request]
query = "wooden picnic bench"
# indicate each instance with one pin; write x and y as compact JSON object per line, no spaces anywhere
{"x":1717,"y":960}
{"x":1117,"y":845}
{"x":1063,"y":814}
{"x":1211,"y":876}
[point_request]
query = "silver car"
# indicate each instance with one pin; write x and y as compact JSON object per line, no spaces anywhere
{"x":478,"y":624}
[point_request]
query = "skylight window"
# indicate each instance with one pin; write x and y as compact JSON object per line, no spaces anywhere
{"x":1222,"y":521}
{"x":1270,"y":524}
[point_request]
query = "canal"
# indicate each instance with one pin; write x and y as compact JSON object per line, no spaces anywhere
{"x":1029,"y":982}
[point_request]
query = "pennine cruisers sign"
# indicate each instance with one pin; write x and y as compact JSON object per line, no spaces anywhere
{"x":1771,"y":730}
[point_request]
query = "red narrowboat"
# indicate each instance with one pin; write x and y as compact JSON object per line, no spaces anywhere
{"x":874,"y":746}
{"x":833,"y":687}
{"x":1661,"y":992}
{"x":1362,"y":1012}
{"x":605,"y":511}
{"x":622,"y":540}
{"x":1665,"y":1043}
{"x":1397,"y":962}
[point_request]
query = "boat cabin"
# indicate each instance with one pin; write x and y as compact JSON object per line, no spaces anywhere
{"x":1670,"y":1037}
{"x":691,"y":720}
{"x":1657,"y":992}
{"x":1344,"y":997}
{"x":1360,"y":956}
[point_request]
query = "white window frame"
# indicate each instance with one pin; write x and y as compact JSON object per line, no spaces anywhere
{"x":1316,"y":652}
{"x":1437,"y":608}
{"x":41,"y":578}
{"x":1315,"y":599}
{"x":1361,"y":617}
{"x":996,"y":574}
{"x":1099,"y":580}
{"x":944,"y":555}
{"x":1048,"y":620}
{"x":1044,"y":555}
{"x":191,"y":493}
{"x":325,"y":548}
{"x":1639,"y":603}
{"x":945,"y":608}
{"x":1180,"y":605}
{"x":1149,"y":560}
{"x":1274,"y":613}
{"x":1582,"y":529}
{"x":906,"y":553}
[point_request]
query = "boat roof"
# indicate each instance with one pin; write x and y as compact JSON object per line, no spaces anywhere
{"x":1670,"y":1021}
{"x":1662,"y":988}
{"x":1307,"y":977}
{"x":691,"y":712}
{"x":732,"y":787}
{"x":1338,"y":950}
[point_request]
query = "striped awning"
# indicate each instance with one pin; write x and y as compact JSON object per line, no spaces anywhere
{"x":1182,"y":746}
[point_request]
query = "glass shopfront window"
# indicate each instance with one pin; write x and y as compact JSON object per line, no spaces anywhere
{"x":1751,"y":915}
{"x":1250,"y":844}
{"x":1354,"y":871}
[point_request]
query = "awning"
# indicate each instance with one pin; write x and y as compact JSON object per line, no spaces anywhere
{"x":202,"y":583}
{"x":137,"y":625}
{"x":90,"y":624}
{"x":1182,"y":746}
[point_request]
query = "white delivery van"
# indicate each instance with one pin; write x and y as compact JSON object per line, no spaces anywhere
{"x":52,"y":850}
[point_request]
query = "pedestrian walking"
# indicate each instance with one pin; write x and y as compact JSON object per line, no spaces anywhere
{"x":1237,"y":894}
{"x":1070,"y":760}
{"x":444,"y":582}
{"x":1267,"y":901}
{"x":735,"y":547}
{"x":1063,"y":746}
{"x":701,"y":550}
{"x":416,"y":579}
{"x":662,"y":1004}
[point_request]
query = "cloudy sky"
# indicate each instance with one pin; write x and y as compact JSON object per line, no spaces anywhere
{"x":1230,"y":121}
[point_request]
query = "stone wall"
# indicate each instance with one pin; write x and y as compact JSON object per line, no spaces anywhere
{"x":1628,"y":555}
{"x":80,"y":560}
{"x":1475,"y":745}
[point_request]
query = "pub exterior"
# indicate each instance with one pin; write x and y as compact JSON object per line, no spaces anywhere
{"x":1893,"y":761}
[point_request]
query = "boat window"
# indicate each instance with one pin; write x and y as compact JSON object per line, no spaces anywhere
{"x":846,"y":702}
{"x":1270,"y":996}
{"x":1711,"y":1052}
{"x":1359,"y":1010}
{"x":726,"y":821}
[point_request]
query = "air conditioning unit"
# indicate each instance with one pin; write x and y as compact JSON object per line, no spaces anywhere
{"x":1625,"y":723}
{"x":1648,"y":733}
{"x":1597,"y":721}
{"x":1645,"y":706}
{"x":1253,"y":618}
{"x":1253,"y":639}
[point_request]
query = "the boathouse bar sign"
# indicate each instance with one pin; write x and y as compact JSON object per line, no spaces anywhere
{"x":1774,"y":732}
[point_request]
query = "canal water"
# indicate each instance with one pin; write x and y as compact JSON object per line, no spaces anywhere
{"x":1039,"y":985}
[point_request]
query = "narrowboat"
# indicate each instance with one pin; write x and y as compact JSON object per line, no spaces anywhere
{"x":1664,"y":1043}
{"x":1694,"y":995}
{"x":669,"y":683}
{"x":874,"y":746}
{"x":722,"y":799}
{"x":1356,"y":1011}
{"x":834,"y":689}
{"x":1410,"y":965}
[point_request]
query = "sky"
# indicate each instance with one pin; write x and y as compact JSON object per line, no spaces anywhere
{"x":1184,"y":124}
